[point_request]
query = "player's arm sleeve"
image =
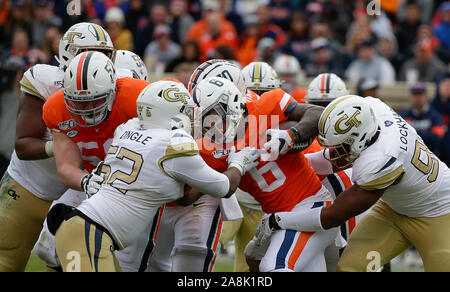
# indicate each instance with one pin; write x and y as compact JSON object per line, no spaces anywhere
{"x":277,"y":102}
{"x":319,"y":163}
{"x":378,"y":176}
{"x":195,"y":172}
{"x":27,"y":87}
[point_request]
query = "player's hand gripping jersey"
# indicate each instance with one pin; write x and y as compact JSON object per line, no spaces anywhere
{"x":94,"y":142}
{"x":277,"y":185}
{"x":417,"y":179}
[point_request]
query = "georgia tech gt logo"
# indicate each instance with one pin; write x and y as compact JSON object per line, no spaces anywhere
{"x":176,"y":96}
{"x":71,"y":35}
{"x":349,"y":122}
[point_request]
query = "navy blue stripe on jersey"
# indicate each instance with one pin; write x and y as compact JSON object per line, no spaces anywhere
{"x":389,"y":163}
{"x":289,"y":236}
{"x":335,"y":184}
{"x":87,"y":228}
{"x":151,"y":244}
{"x":344,"y":230}
{"x":98,"y":247}
{"x":317,"y":205}
{"x":210,"y":241}
{"x":290,"y":107}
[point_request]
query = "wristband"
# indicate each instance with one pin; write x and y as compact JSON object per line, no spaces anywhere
{"x":49,"y":148}
{"x":296,"y":134}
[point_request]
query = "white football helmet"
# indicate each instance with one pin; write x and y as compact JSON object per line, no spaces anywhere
{"x":84,"y":36}
{"x":287,"y":64}
{"x":222,"y":96}
{"x":90,"y":88}
{"x":218,"y":68}
{"x":260,"y":77}
{"x":164,"y":102}
{"x":129,"y":60}
{"x":325,"y":88}
{"x":347,"y":125}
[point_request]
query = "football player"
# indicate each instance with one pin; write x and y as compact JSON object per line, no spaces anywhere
{"x":147,"y":165}
{"x":127,"y":64}
{"x":284,"y":183}
{"x":183,"y":252}
{"x":83,"y":117}
{"x":393,"y":171}
{"x":130,"y":61}
{"x":31,"y":182}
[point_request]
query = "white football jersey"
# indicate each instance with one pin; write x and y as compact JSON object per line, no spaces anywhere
{"x":39,"y":176}
{"x":418,"y":182}
{"x":140,"y":177}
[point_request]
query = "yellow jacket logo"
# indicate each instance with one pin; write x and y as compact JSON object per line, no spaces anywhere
{"x":176,"y":96}
{"x":349,"y":122}
{"x":71,"y":35}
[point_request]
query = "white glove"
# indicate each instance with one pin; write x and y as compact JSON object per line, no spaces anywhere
{"x":91,"y":183}
{"x":263,"y":231}
{"x":280,"y":141}
{"x":254,"y":251}
{"x":243,"y":160}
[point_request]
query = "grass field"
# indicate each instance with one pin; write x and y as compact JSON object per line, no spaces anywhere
{"x":224,"y":263}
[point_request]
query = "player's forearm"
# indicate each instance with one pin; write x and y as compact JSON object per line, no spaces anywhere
{"x":29,"y":148}
{"x":71,"y":176}
{"x":234,"y":176}
{"x":308,"y":120}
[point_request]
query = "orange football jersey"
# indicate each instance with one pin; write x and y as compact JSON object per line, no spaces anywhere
{"x":94,"y":142}
{"x":277,"y":185}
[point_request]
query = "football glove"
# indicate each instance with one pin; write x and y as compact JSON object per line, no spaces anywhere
{"x":91,"y":183}
{"x":263,"y":231}
{"x":243,"y":160}
{"x":280,"y":141}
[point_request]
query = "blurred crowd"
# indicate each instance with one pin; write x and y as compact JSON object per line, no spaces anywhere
{"x":368,"y":43}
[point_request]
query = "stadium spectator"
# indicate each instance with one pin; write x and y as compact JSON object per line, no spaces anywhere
{"x":181,"y":20}
{"x":424,"y":118}
{"x":43,"y":18}
{"x":441,"y":102}
{"x":370,"y":65}
{"x":121,"y":37}
{"x":323,"y":59}
{"x":161,"y":51}
{"x":190,"y":53}
{"x":212,"y":30}
{"x":19,"y":16}
{"x":281,"y":12}
{"x":387,"y":48}
{"x":406,"y":31}
{"x":158,"y":15}
{"x":425,"y":9}
{"x":425,"y":66}
{"x":248,"y":51}
{"x":358,"y":32}
{"x":227,"y":6}
{"x":136,"y":17}
{"x":442,"y":29}
{"x":297,"y":43}
{"x":267,"y":29}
